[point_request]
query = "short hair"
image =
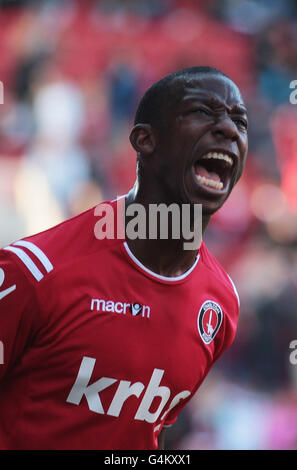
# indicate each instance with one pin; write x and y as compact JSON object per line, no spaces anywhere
{"x":166,"y":91}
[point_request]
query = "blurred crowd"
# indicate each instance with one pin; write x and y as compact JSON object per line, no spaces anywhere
{"x":73,"y":72}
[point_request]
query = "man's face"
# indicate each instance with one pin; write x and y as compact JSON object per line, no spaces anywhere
{"x":203,"y":146}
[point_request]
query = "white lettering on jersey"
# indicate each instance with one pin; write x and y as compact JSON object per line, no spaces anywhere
{"x":91,"y":392}
{"x":120,"y":307}
{"x":124,"y":390}
{"x":153,"y":390}
{"x":5,"y":292}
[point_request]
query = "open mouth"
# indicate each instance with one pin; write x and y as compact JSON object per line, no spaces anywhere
{"x":213,"y":170}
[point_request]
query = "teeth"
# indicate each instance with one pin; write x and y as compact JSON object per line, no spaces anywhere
{"x":209,"y":182}
{"x":218,"y":156}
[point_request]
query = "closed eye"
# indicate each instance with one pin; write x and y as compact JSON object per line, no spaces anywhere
{"x":200,"y":111}
{"x":240,"y":122}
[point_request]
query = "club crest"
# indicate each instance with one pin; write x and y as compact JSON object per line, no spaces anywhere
{"x":209,"y":320}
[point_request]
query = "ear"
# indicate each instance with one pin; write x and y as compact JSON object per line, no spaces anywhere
{"x":143,"y":139}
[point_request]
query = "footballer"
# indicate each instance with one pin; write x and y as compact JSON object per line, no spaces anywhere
{"x":106,"y":340}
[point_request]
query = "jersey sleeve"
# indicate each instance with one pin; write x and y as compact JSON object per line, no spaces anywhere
{"x":18,"y":311}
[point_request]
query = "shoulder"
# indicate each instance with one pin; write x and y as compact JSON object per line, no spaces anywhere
{"x":219,"y":274}
{"x":40,"y":255}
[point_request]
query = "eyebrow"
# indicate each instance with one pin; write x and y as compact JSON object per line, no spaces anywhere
{"x":239,"y":109}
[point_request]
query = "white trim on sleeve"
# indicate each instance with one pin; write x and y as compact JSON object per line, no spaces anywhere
{"x":30,"y":265}
{"x":235,"y":290}
{"x":37,"y":252}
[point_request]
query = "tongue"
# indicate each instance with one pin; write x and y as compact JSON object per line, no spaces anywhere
{"x":200,"y":170}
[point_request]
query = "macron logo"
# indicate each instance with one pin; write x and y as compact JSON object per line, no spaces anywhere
{"x":134,"y":309}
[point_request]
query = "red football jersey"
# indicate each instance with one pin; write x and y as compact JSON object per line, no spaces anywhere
{"x":99,"y":351}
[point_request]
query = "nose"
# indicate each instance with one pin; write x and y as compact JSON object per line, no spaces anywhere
{"x":225,"y":128}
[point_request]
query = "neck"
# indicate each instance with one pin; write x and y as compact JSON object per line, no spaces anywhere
{"x":167,"y":257}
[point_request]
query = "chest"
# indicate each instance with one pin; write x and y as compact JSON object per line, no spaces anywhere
{"x":131,"y":325}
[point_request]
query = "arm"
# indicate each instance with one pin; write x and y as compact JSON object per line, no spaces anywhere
{"x":161,"y":440}
{"x":17,"y":312}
